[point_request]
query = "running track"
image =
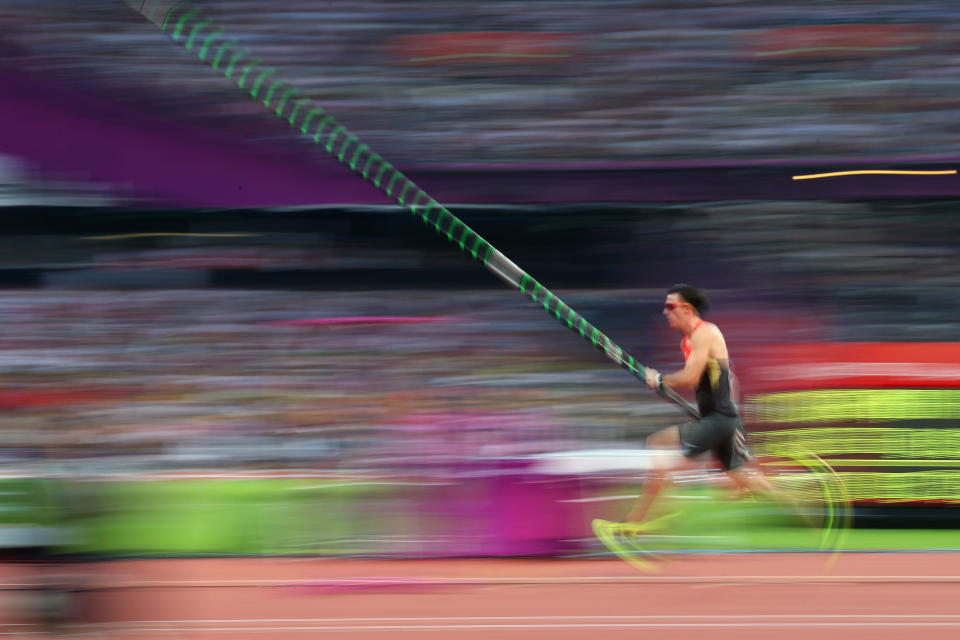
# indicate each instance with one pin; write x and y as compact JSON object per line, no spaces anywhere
{"x":878,"y":596}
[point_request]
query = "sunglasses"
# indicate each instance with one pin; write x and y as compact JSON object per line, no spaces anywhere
{"x":670,"y":306}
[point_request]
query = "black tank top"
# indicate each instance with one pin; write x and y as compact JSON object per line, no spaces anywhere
{"x":713,"y":389}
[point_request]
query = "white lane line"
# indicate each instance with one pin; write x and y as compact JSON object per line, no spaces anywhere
{"x":488,"y":623}
{"x":735,"y":616}
{"x":558,"y":580}
{"x":542,"y":626}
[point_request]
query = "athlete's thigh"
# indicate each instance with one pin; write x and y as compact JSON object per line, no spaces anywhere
{"x":710,"y":433}
{"x":668,"y":438}
{"x":731,"y":448}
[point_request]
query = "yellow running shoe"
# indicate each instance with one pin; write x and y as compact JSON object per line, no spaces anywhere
{"x":621,"y":538}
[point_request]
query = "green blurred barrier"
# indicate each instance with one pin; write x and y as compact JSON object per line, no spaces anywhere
{"x":305,"y":516}
{"x":230,"y":517}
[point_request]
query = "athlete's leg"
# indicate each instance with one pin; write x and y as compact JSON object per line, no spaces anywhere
{"x":743,"y":470}
{"x":740,"y":464}
{"x":749,"y":478}
{"x":666,"y":443}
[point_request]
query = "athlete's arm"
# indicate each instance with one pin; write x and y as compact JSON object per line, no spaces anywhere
{"x":696,"y":362}
{"x":734,"y":389}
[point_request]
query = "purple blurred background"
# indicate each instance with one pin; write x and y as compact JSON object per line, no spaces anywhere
{"x":608,"y":103}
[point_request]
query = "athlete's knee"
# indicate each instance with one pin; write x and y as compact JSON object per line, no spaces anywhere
{"x":668,"y":438}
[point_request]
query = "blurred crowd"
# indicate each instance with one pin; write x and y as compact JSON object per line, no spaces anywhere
{"x":351,"y":339}
{"x":175,"y":379}
{"x":553,"y":81}
{"x":145,"y":377}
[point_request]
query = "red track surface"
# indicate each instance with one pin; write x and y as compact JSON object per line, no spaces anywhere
{"x":782,"y":596}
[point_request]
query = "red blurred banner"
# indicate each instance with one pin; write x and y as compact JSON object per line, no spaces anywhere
{"x":845,"y":365}
{"x":44,"y":398}
{"x":486,"y":47}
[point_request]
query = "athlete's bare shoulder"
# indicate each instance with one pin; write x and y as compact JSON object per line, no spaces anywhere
{"x":718,"y":345}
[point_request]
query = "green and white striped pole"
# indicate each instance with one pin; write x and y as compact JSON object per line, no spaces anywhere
{"x":186,"y":25}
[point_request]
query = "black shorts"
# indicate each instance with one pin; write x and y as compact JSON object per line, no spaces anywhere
{"x":722,"y":435}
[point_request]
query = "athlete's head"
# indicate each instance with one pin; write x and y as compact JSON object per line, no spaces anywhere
{"x":691,"y":295}
{"x":683,"y":304}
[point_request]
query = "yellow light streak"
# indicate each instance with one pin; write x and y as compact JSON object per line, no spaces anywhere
{"x":860,"y":172}
{"x":787,"y":52}
{"x":128,"y":236}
